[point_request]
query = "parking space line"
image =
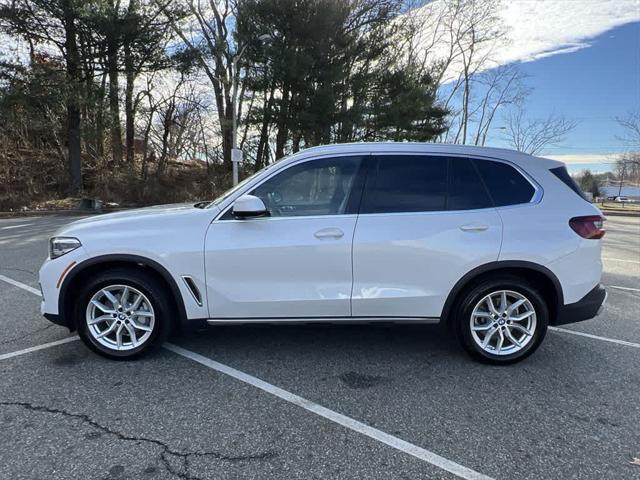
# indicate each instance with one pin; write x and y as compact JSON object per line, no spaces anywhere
{"x":619,"y":260}
{"x":595,"y":337}
{"x":350,"y":423}
{"x":17,"y":353}
{"x":11,"y":227}
{"x":625,"y":288}
{"x":21,"y":285}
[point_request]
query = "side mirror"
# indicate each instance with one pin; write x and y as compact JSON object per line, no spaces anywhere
{"x":249,"y":206}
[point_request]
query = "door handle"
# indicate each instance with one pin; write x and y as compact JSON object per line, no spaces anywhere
{"x":473,"y":228}
{"x":330,"y":232}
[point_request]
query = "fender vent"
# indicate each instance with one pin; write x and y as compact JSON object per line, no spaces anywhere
{"x":191,"y":285}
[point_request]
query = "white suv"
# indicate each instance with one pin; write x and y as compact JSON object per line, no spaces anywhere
{"x":495,"y":243}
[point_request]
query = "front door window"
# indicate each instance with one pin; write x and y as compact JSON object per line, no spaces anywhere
{"x":317,"y":187}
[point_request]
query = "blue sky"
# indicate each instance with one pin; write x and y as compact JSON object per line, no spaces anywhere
{"x":592,"y":85}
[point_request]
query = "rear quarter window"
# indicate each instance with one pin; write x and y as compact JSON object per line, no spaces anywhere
{"x":564,"y":177}
{"x":505,"y":184}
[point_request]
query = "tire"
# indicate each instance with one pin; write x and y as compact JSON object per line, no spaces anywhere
{"x":151,"y":327}
{"x":474,"y":320}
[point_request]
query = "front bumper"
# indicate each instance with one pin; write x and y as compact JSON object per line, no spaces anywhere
{"x":591,"y":305}
{"x":57,"y":319}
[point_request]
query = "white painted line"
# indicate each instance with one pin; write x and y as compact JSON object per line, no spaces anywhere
{"x":4,"y":356}
{"x":596,"y":337}
{"x":620,"y":260}
{"x":10,"y":227}
{"x":350,"y":423}
{"x":21,"y":285}
{"x":625,"y":288}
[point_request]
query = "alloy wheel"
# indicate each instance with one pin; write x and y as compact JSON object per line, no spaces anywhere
{"x":120,"y":317}
{"x":503,"y":322}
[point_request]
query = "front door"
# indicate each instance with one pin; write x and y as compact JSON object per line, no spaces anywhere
{"x":424,"y":222}
{"x":295,"y":263}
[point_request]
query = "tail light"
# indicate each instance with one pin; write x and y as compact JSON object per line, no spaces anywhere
{"x":591,"y":226}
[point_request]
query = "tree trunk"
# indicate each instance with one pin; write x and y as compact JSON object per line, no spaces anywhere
{"x":145,"y":146}
{"x":129,"y":107}
{"x":168,"y":125}
{"x":227,"y":138}
{"x":100,"y":117}
{"x":297,"y":137}
{"x":283,"y":131}
{"x":73,"y":102}
{"x":114,"y":100}
{"x":264,"y":130}
{"x":129,"y":67}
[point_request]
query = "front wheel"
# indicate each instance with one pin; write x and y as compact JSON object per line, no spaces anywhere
{"x":122,"y":314}
{"x":502,"y":320}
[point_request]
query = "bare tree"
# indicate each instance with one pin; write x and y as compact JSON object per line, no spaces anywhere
{"x":54,"y":24}
{"x":627,"y":167}
{"x":456,"y":41}
{"x":631,"y":125}
{"x":207,"y":36}
{"x":470,"y":33}
{"x":502,"y":86}
{"x":422,"y":31}
{"x":532,"y":136}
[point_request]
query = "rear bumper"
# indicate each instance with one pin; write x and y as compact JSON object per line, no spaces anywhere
{"x":587,"y":307}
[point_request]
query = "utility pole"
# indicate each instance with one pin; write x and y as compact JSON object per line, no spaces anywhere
{"x":236,"y":154}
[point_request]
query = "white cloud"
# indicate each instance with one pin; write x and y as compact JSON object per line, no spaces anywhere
{"x":535,"y":29}
{"x":541,"y":28}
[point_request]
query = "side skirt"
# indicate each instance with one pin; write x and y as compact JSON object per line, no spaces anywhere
{"x":335,"y":320}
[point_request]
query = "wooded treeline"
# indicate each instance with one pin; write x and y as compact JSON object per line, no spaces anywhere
{"x":134,"y":100}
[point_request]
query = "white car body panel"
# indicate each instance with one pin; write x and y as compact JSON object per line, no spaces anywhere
{"x":540,"y":234}
{"x":384,"y":265}
{"x":171,"y":235}
{"x":50,"y":273}
{"x":425,"y":254}
{"x":280,"y":267}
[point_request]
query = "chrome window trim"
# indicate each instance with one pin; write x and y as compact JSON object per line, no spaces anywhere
{"x":538,"y":190}
{"x":259,"y":181}
{"x":535,"y":199}
{"x":294,"y":217}
{"x":227,"y":204}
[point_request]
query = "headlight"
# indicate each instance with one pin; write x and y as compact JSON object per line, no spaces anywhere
{"x":59,"y":246}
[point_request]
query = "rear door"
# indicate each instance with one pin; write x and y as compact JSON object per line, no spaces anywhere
{"x":425,"y":221}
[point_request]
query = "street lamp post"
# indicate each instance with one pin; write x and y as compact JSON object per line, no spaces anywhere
{"x":236,"y":153}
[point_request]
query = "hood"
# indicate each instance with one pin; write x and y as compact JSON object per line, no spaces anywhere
{"x":137,"y":217}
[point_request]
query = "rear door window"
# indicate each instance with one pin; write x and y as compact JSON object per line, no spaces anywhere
{"x":466,"y":190}
{"x":406,"y":183}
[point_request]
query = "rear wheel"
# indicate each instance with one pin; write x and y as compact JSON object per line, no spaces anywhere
{"x":501,"y":320}
{"x":123,"y":313}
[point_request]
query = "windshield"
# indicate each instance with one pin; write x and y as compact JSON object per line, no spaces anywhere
{"x":233,"y":190}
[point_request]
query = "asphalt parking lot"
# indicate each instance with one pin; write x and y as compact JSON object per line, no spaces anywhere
{"x":319,"y":401}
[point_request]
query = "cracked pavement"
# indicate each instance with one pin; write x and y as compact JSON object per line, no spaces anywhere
{"x":570,"y":411}
{"x":166,"y":454}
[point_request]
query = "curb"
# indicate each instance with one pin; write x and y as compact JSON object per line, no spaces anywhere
{"x":618,"y":213}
